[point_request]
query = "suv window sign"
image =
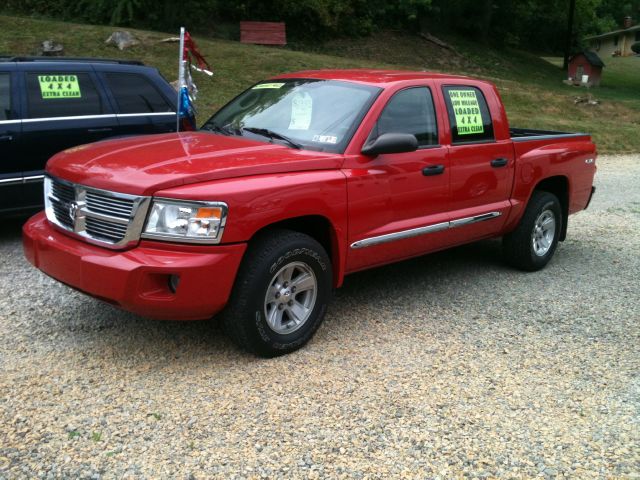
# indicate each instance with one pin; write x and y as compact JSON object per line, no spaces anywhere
{"x":59,"y":86}
{"x":467,"y":111}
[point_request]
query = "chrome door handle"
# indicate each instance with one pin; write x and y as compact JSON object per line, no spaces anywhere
{"x":6,"y":138}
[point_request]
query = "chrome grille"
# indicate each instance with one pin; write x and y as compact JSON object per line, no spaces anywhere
{"x":106,"y":218}
{"x":61,"y":212}
{"x":63,"y":192}
{"x":109,"y":205}
{"x":61,"y":196}
{"x":110,"y":232}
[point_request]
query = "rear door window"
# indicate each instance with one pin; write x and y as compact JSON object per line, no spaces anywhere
{"x":5,"y":96}
{"x":62,"y":94}
{"x":469,"y":115}
{"x":136,"y":94}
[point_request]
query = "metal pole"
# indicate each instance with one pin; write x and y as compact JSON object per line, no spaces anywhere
{"x":180,"y":76}
{"x":567,"y":48}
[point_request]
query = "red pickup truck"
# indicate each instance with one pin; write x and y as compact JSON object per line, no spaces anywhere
{"x":295,"y":183}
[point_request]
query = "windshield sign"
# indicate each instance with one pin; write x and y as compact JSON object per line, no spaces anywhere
{"x":300,"y":113}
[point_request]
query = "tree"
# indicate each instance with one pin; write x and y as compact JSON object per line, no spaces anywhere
{"x":539,"y":25}
{"x":569,"y":41}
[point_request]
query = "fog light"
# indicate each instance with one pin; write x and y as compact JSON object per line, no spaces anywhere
{"x":174,"y":280}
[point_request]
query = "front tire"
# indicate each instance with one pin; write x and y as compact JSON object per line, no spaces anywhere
{"x":281,"y":294}
{"x":532,"y":244}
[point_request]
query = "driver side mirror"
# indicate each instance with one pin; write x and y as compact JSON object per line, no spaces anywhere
{"x":391,"y":143}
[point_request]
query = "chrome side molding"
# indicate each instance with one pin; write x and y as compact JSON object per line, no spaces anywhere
{"x":391,"y":237}
{"x":94,"y":117}
{"x":414,"y":232}
{"x":21,"y":180}
{"x":85,"y":117}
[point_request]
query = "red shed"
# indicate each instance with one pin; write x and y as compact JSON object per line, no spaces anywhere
{"x":586,"y":63}
{"x":263,"y":33}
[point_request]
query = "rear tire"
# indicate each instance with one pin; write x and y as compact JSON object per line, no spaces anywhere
{"x":281,"y":294}
{"x":532,"y":244}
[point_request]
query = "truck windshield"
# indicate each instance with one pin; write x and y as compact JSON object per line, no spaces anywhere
{"x":301,"y":113}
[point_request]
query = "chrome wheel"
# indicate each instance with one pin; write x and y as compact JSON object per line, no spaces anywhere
{"x":290,"y":297}
{"x":544,"y":231}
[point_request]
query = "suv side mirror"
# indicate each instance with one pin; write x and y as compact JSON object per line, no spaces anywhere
{"x":391,"y":143}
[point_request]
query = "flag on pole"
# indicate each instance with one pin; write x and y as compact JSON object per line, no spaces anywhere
{"x":187,"y":90}
{"x":190,"y":50}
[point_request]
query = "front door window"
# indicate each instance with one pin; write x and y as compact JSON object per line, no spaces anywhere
{"x":409,"y":111}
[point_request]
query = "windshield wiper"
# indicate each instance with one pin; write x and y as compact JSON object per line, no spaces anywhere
{"x":225,"y":129}
{"x":265,"y":132}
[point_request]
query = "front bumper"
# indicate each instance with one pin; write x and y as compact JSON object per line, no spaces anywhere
{"x":137,"y":280}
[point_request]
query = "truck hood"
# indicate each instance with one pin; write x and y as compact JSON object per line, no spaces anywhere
{"x":144,"y":165}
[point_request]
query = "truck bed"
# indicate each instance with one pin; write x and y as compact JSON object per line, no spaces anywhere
{"x":527,"y":141}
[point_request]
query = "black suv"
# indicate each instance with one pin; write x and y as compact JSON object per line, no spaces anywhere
{"x":50,"y":104}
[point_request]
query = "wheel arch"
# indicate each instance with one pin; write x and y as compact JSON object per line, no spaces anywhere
{"x":321,"y":229}
{"x":559,"y":186}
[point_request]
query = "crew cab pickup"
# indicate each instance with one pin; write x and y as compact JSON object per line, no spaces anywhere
{"x":297,"y":182}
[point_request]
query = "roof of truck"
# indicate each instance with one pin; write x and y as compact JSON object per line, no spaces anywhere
{"x":369,"y":76}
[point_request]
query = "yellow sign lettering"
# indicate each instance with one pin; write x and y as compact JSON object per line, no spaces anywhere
{"x":466,"y":110}
{"x":59,"y":86}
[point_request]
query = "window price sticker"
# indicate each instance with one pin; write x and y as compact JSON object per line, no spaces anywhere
{"x":301,"y":111}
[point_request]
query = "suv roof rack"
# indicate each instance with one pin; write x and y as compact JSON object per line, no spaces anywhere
{"x":9,"y":58}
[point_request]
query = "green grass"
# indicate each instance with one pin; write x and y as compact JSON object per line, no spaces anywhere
{"x":531,"y":87}
{"x":620,"y":80}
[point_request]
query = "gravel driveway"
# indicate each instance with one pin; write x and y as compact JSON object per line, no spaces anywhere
{"x":448,"y":366}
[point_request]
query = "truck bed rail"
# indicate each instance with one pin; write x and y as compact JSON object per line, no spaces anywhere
{"x":524,"y":134}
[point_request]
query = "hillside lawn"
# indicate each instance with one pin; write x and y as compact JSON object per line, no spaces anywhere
{"x":531,"y":87}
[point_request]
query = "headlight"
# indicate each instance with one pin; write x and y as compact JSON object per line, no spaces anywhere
{"x":193,"y":222}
